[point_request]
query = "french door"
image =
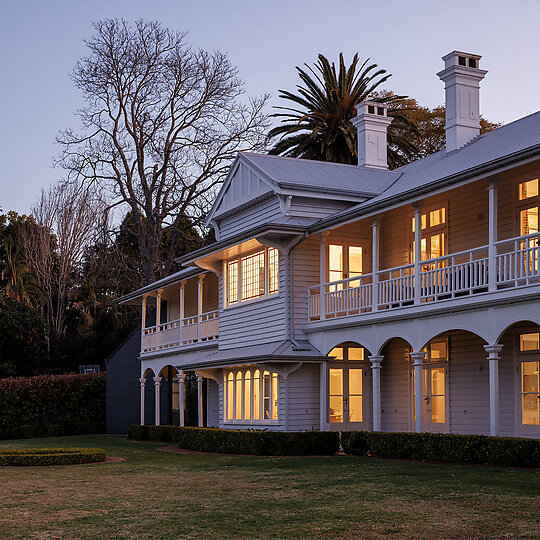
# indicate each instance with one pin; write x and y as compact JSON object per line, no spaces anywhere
{"x":347,"y":397}
{"x":434,"y":398}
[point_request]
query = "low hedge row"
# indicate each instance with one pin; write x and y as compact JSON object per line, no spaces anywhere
{"x":51,"y":456}
{"x":228,"y":441}
{"x":451,"y":448}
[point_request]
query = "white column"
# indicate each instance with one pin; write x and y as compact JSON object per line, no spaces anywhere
{"x":418,"y":364}
{"x":157,"y":382}
{"x":323,"y":272}
{"x":376,"y":380}
{"x":181,"y":395}
{"x":417,"y":252}
{"x":493,"y":357}
{"x":199,"y":304}
{"x":200,"y":400}
{"x":142,"y":380}
{"x":492,"y":250}
{"x":158,"y":315}
{"x":182,"y":306}
{"x":324,"y":394}
{"x":375,"y":229}
{"x":143,"y":320}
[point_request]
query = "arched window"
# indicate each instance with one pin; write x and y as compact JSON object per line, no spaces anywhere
{"x":247,"y":396}
{"x":230,"y":396}
{"x":256,"y":395}
{"x":238,"y":415}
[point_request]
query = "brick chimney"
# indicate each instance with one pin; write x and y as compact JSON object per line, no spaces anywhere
{"x":371,"y":122}
{"x":461,"y":76}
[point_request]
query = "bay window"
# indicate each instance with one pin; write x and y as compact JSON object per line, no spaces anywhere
{"x":251,"y":396}
{"x":252,"y":276}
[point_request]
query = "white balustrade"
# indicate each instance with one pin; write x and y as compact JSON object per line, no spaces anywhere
{"x":443,"y":278}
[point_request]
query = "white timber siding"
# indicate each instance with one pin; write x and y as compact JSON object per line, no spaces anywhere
{"x":316,"y":208}
{"x":395,"y":408}
{"x":304,"y":398}
{"x":508,"y":373}
{"x":259,"y":213}
{"x":212,"y":404}
{"x":255,"y":322}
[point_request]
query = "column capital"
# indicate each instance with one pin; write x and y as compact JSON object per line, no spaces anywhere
{"x":493,"y":351}
{"x":199,"y":378}
{"x":376,"y":221}
{"x":159,"y":293}
{"x":201,"y":277}
{"x":418,"y":205}
{"x":376,"y":361}
{"x":142,"y":380}
{"x":157,"y":381}
{"x":418,"y":358}
{"x":183,"y":284}
{"x":181,"y":377}
{"x":324,"y":236}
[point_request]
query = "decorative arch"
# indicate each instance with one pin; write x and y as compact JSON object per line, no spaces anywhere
{"x":163,"y":372}
{"x":350,"y":343}
{"x":401,"y":337}
{"x":148,"y":372}
{"x":454,"y":329}
{"x":524,"y":322}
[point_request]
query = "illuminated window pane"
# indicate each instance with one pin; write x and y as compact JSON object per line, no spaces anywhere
{"x":529,"y":377}
{"x":232,"y":282}
{"x":266,"y":395}
{"x":437,"y":246}
{"x":335,"y":262}
{"x":238,"y":414}
{"x":274,"y":396}
{"x":337,"y":353}
{"x":336,"y":382}
{"x":355,"y":382}
{"x":528,"y":189}
{"x":355,"y":261}
{"x":437,"y":410}
{"x":256,"y":396}
{"x":252,"y":275}
{"x":336,"y":409}
{"x":230,"y":396}
{"x":530,"y":414}
{"x":355,"y":408}
{"x":529,"y":342}
{"x":273,"y":261}
{"x":247,"y":396}
{"x":424,"y":221}
{"x":437,"y":217}
{"x":528,"y":220}
{"x":423,"y":245}
{"x":356,"y":353}
{"x":438,"y":351}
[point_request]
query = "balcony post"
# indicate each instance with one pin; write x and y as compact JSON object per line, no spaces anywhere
{"x":181,"y":396}
{"x":143,"y":321}
{"x":417,"y":252}
{"x":142,"y":380}
{"x":199,"y":304}
{"x":375,"y":229}
{"x":158,"y":315}
{"x":157,"y":383}
{"x":323,"y":273}
{"x":182,"y":306}
{"x":200,"y":400}
{"x":493,"y":357}
{"x":324,"y":394}
{"x":376,"y":379}
{"x":492,"y":249}
{"x":418,"y":365}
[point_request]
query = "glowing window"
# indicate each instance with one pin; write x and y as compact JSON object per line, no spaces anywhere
{"x":438,"y":350}
{"x":437,"y":217}
{"x":247,"y":396}
{"x":238,"y":400}
{"x":256,"y":396}
{"x":528,"y":220}
{"x":273,"y":270}
{"x":528,"y":189}
{"x":529,"y":342}
{"x":252,"y":275}
{"x":230,"y":397}
{"x":232,"y":282}
{"x":337,"y":353}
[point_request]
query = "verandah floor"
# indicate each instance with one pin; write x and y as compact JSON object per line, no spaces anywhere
{"x":167,"y":495}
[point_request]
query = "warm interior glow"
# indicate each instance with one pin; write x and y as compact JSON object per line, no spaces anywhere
{"x":355,"y":353}
{"x":337,"y":353}
{"x":232,"y":282}
{"x":247,"y":396}
{"x":335,"y":391}
{"x":273,"y":261}
{"x":529,"y":342}
{"x":530,"y":392}
{"x":274,"y":396}
{"x":256,"y":395}
{"x":230,"y":397}
{"x":528,"y":220}
{"x":355,"y":394}
{"x":438,"y":350}
{"x":238,"y":414}
{"x":335,"y":262}
{"x":266,"y":395}
{"x":528,"y":189}
{"x":355,"y":261}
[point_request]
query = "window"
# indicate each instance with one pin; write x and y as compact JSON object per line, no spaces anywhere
{"x":529,"y":347}
{"x":348,"y":353}
{"x":251,"y":397}
{"x":344,"y":262}
{"x":252,"y":276}
{"x":434,"y":234}
{"x":528,"y":210}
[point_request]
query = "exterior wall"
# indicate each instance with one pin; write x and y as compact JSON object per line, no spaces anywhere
{"x":212,"y":404}
{"x":304,"y":398}
{"x":316,"y":208}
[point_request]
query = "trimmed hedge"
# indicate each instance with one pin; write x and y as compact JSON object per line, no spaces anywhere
{"x":451,"y":448}
{"x":229,"y":441}
{"x":52,"y":405}
{"x":51,"y":456}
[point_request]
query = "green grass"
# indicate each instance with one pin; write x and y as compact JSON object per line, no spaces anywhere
{"x":156,"y":494}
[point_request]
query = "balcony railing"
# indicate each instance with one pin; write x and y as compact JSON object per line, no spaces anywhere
{"x":516,"y":264}
{"x":186,"y":331}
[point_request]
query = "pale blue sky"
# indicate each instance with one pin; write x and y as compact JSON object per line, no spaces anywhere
{"x":40,"y":42}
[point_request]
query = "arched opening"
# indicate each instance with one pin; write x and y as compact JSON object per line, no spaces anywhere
{"x":519,"y":379}
{"x":169,"y":396}
{"x":348,"y":387}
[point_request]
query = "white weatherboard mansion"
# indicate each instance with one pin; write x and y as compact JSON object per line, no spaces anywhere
{"x":342,"y":297}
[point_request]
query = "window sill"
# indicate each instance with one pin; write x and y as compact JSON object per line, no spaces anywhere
{"x":252,"y":301}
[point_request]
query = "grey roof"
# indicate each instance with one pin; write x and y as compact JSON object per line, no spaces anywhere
{"x":510,"y":143}
{"x":305,"y":173}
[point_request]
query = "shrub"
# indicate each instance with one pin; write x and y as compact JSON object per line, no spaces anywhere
{"x":52,"y":405}
{"x":228,"y":441}
{"x":51,"y":456}
{"x":452,"y":448}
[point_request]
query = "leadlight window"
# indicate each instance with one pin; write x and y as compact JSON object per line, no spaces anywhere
{"x":252,"y":276}
{"x":251,"y":396}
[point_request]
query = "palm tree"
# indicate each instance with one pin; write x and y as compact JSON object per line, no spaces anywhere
{"x":319,"y":126}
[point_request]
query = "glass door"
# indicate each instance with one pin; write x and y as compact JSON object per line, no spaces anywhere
{"x":346,"y":410}
{"x":434,"y":398}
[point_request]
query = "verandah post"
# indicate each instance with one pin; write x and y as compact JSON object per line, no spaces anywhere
{"x":323,"y":273}
{"x":492,"y":248}
{"x":376,"y":381}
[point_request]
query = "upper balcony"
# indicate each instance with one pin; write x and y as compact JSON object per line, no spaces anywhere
{"x":510,"y":264}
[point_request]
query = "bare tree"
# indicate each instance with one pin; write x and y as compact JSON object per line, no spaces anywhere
{"x":161,"y":125}
{"x":67,"y":217}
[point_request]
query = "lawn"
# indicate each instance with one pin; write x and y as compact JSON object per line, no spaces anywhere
{"x":155,"y":494}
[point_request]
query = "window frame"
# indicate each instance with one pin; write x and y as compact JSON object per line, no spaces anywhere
{"x":238,"y":260}
{"x":430,"y":231}
{"x":525,"y":356}
{"x":525,"y":204}
{"x":273,"y":376}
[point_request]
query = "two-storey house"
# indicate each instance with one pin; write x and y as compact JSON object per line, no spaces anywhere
{"x":344,"y":297}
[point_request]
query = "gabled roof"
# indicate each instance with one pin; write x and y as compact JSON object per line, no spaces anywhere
{"x":506,"y":145}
